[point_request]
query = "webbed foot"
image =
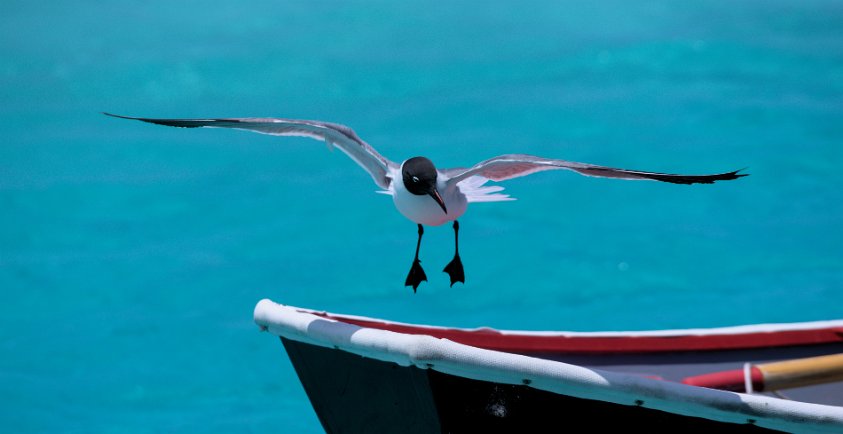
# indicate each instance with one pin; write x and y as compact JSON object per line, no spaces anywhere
{"x":455,"y":270}
{"x":416,"y":275}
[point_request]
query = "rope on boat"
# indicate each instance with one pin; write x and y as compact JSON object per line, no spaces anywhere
{"x":747,"y":377}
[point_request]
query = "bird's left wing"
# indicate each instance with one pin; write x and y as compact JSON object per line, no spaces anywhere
{"x":340,"y":136}
{"x":510,"y":166}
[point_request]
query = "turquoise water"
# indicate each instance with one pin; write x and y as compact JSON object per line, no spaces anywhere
{"x":131,"y":255}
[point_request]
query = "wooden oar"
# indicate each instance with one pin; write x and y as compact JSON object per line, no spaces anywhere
{"x":775,"y":375}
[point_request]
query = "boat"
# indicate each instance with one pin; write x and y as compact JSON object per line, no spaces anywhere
{"x":368,"y":375}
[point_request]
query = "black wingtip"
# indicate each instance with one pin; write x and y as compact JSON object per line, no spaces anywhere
{"x":711,"y":179}
{"x":738,"y":173}
{"x":733,"y":175}
{"x":695,"y":179}
{"x":179,"y":123}
{"x":127,"y":117}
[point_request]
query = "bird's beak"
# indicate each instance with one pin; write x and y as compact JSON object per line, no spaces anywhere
{"x":434,"y":193}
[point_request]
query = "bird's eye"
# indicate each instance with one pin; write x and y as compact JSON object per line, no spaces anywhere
{"x":415,"y":179}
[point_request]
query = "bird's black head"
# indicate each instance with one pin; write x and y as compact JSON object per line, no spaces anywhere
{"x":419,"y":176}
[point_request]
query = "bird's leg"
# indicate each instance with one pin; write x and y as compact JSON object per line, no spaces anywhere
{"x":416,"y":275}
{"x":454,"y":268}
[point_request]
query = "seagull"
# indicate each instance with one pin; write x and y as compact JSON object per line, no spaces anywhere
{"x":421,"y":192}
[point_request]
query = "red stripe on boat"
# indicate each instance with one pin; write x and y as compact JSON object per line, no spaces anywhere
{"x":572,"y":344}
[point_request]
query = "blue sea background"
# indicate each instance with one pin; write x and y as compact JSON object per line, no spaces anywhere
{"x":132,"y":255}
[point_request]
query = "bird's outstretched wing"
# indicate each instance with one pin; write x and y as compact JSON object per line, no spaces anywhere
{"x":510,"y":166}
{"x":340,"y":136}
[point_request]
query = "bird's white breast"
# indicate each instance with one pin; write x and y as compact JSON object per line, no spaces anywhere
{"x":424,"y":209}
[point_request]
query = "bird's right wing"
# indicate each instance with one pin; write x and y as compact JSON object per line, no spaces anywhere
{"x":339,"y":136}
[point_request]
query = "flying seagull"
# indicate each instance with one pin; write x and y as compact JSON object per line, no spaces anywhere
{"x":421,"y":192}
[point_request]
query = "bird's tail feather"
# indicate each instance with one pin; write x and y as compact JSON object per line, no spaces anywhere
{"x":475,"y":191}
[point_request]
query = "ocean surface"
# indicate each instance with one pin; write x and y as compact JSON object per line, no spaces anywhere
{"x":132,"y":255}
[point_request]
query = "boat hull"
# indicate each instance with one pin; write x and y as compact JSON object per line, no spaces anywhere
{"x":354,"y":394}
